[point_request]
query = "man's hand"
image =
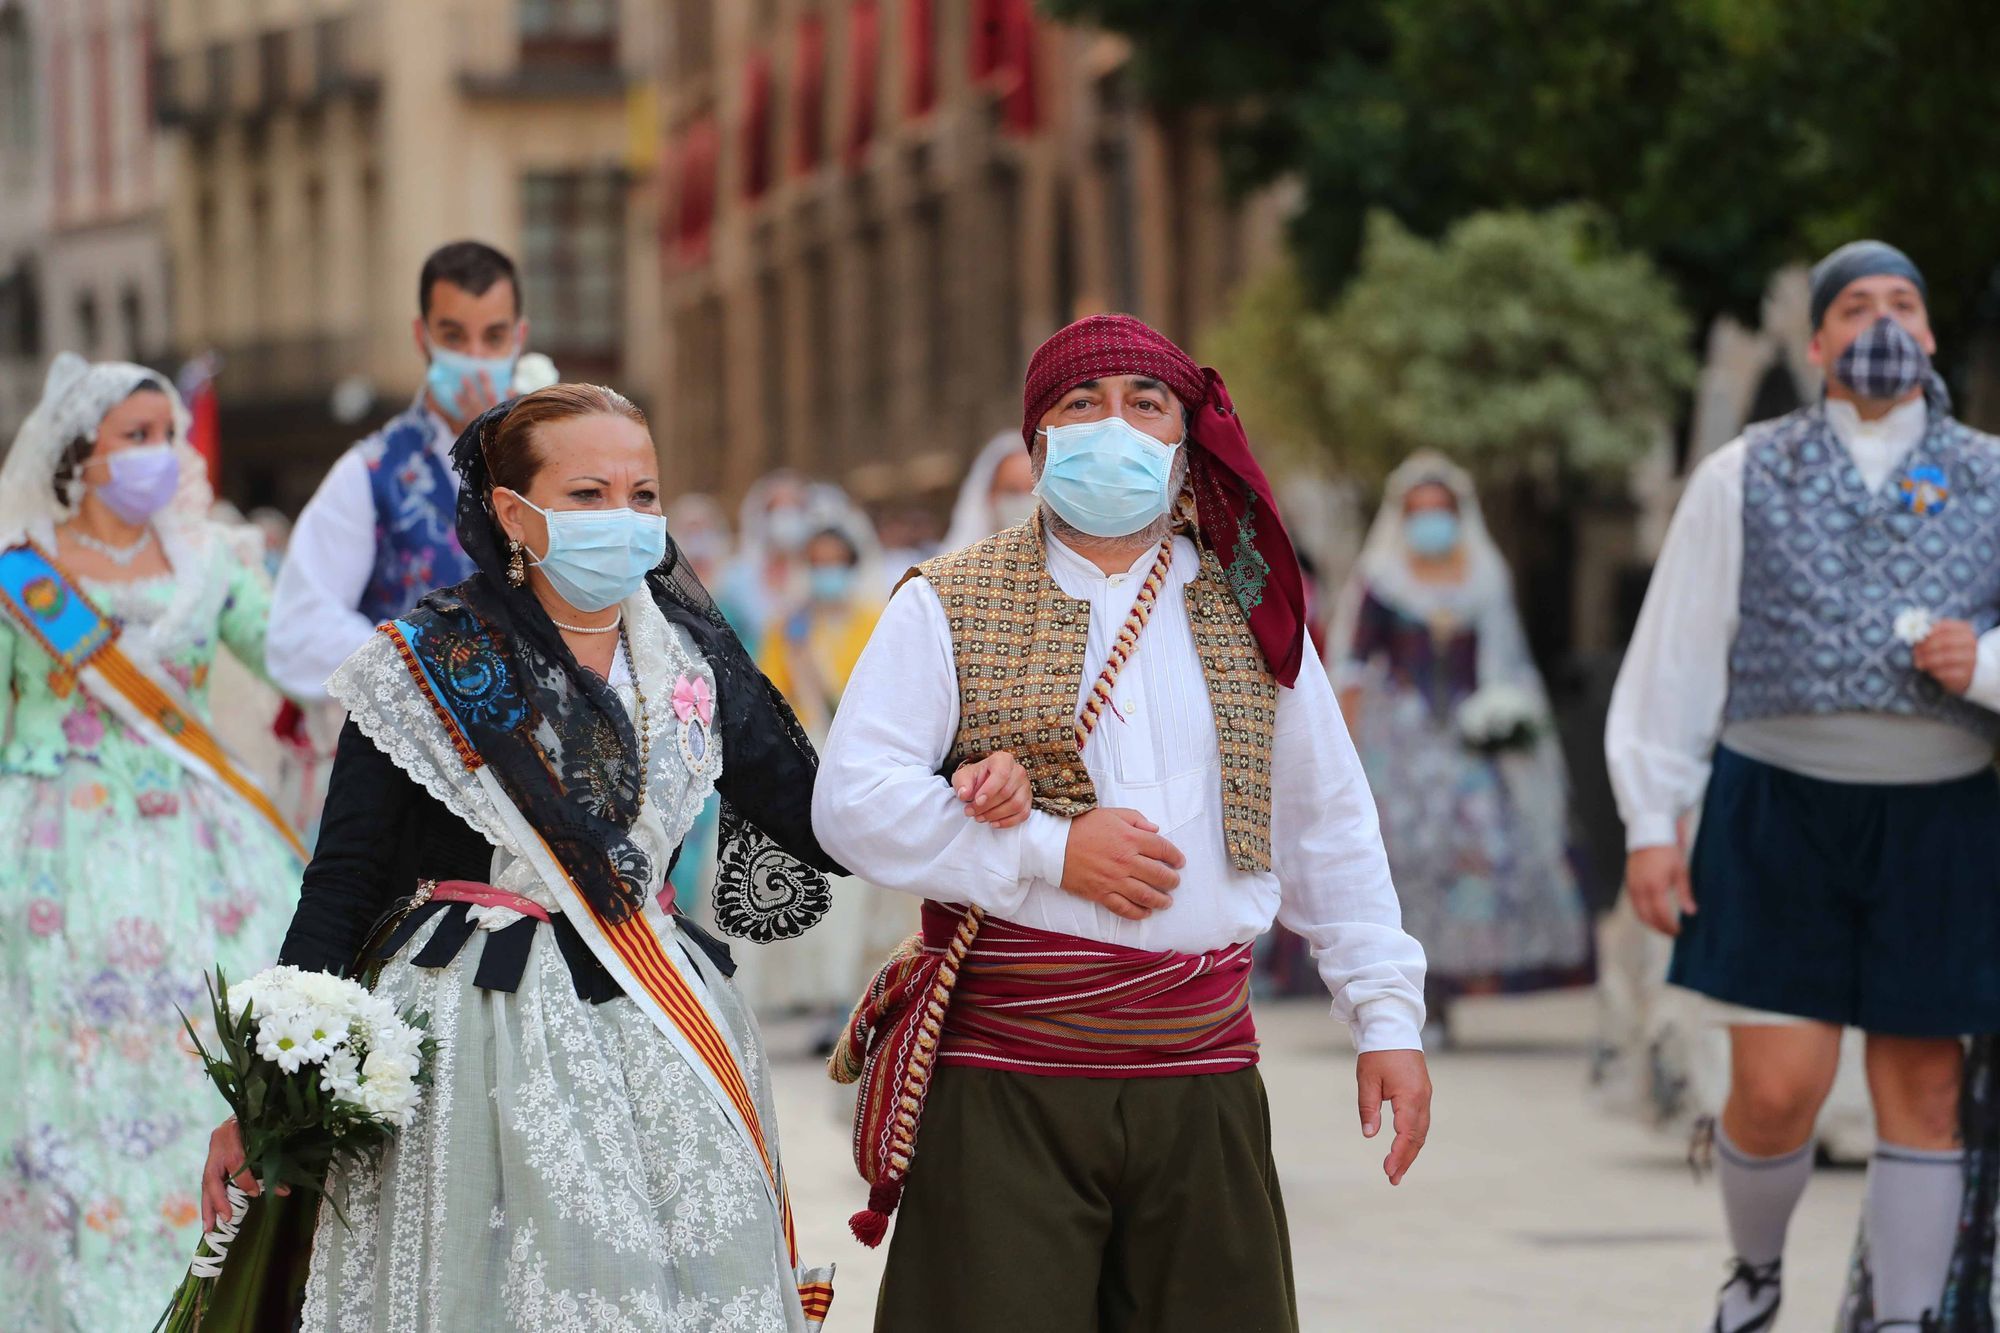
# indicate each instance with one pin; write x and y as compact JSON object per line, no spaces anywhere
{"x":1118,"y":860}
{"x":1949,"y":655}
{"x":1403,"y":1080}
{"x":995,"y":790}
{"x":1656,"y":878}
{"x":473,"y":397}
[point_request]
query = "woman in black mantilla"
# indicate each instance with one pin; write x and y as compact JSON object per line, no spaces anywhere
{"x":526,"y":751}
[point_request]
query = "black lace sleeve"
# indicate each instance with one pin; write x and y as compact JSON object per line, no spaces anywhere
{"x":770,"y":877}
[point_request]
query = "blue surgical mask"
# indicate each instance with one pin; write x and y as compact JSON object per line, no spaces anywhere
{"x":453,"y":378}
{"x":1106,"y":478}
{"x":1433,"y":532}
{"x":830,"y":583}
{"x":599,"y":557}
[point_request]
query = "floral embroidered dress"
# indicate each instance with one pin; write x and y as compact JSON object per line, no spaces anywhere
{"x":1477,"y":839}
{"x":125,"y":878}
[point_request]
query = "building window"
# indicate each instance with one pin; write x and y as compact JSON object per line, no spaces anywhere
{"x":569,"y":31}
{"x":573,"y":271}
{"x":87,"y":330}
{"x":694,"y":36}
{"x":17,"y":81}
{"x":132,"y":315}
{"x":20,"y":314}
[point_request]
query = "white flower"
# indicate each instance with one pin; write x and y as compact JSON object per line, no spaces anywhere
{"x":1494,"y":711}
{"x":389,"y":1091}
{"x":328,"y":1029}
{"x":327,"y":992}
{"x":284,"y":1040}
{"x":1914,"y":625}
{"x":388,"y":1065}
{"x":397,"y":1042}
{"x":341,"y":1075}
{"x":534,"y":371}
{"x":373,"y":1014}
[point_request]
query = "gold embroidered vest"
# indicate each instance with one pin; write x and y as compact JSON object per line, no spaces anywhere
{"x":1020,"y":640}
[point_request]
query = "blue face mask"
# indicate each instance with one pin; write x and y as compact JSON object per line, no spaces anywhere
{"x":599,"y":557}
{"x":1433,"y":532}
{"x":453,"y":378}
{"x":830,"y":583}
{"x":1106,"y":478}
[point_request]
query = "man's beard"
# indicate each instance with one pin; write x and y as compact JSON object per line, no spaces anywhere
{"x":1151,"y":535}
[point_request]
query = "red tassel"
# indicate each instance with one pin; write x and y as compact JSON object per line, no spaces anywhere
{"x":872,"y":1223}
{"x":869,"y":1227}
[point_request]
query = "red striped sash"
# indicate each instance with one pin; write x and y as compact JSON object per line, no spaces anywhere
{"x":1036,"y":1002}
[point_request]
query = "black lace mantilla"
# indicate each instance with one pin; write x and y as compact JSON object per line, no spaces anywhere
{"x":762,"y":892}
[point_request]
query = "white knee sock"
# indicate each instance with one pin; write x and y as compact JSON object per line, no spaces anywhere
{"x":1759,"y":1195}
{"x":1913,"y":1201}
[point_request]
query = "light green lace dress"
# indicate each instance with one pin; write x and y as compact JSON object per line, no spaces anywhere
{"x":122,"y":880}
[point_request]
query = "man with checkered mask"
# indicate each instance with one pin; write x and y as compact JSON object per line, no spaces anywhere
{"x":1816,"y":666}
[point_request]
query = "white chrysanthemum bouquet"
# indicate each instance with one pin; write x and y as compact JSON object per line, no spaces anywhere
{"x":320,"y":1072}
{"x":1500,"y":717}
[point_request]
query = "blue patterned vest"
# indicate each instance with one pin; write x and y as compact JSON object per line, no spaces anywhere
{"x":416,"y":517}
{"x":1828,"y":566}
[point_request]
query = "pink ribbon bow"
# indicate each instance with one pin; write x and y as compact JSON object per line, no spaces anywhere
{"x":693,"y":698}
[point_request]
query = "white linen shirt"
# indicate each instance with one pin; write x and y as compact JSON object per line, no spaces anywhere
{"x":1667,"y":708}
{"x":881,"y":808}
{"x":315,"y":625}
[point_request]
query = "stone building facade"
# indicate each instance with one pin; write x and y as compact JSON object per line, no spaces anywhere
{"x":321,"y":148}
{"x":870,"y":211}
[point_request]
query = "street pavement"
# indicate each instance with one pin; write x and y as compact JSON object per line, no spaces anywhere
{"x":1531,"y":1209}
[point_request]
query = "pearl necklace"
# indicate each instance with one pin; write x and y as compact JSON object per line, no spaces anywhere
{"x":612,"y":628}
{"x":121,"y":556}
{"x":639,"y":714}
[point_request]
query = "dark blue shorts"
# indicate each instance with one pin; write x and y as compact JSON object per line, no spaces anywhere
{"x":1867,"y":905}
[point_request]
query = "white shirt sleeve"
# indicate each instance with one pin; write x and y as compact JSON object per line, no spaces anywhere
{"x":1333,"y":874}
{"x":1666,"y":710}
{"x":314,"y":624}
{"x":880,"y":806}
{"x":1985,"y":687}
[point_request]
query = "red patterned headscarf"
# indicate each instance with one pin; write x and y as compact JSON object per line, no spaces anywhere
{"x":1233,"y":502}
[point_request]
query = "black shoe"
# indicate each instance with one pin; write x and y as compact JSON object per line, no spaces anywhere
{"x":1927,"y":1323}
{"x":1754,"y":1278}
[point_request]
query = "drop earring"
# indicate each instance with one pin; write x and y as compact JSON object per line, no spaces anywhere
{"x":517,"y":568}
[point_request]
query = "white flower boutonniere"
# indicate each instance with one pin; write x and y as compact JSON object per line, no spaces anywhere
{"x":534,"y":371}
{"x":1914,"y":625}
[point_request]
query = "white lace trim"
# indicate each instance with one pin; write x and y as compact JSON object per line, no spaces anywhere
{"x":375,"y":687}
{"x":392,"y":711}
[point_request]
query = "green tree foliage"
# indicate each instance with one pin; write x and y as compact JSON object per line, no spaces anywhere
{"x":1723,"y":138}
{"x":1521,"y":344}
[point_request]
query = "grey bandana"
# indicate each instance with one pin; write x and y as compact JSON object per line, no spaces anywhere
{"x":1851,"y":263}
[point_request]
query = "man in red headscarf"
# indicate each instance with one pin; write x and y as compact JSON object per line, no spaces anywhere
{"x":1063,"y":1070}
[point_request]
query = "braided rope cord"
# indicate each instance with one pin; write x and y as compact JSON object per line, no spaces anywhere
{"x":923,"y":1055}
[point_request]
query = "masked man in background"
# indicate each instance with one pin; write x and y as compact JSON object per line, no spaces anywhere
{"x":1815,"y":651}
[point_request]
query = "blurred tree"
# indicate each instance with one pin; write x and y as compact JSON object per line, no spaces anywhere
{"x":1523,"y":345}
{"x":1276,"y":380}
{"x":1723,"y":138}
